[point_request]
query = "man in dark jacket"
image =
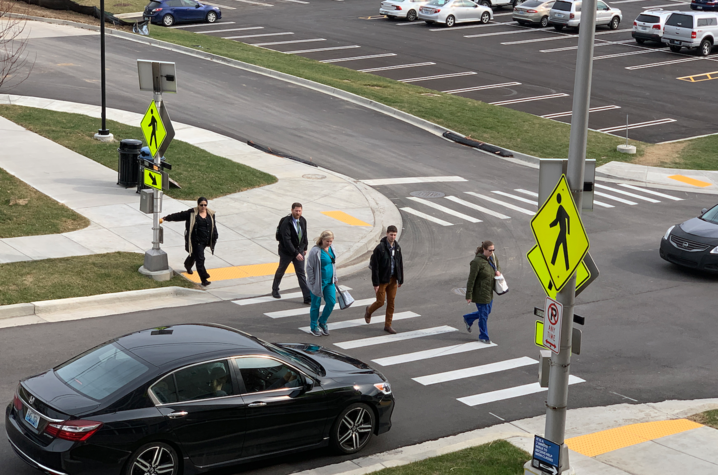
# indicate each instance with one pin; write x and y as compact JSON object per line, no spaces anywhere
{"x":293,"y":243}
{"x":387,"y":274}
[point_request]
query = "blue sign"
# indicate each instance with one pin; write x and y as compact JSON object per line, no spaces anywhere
{"x":546,"y":455}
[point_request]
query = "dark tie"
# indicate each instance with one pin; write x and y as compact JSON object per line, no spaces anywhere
{"x":299,"y":231}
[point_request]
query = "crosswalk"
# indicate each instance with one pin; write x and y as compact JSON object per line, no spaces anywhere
{"x":419,"y":334}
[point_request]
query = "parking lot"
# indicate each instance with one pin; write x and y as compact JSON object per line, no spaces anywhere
{"x":664,"y":94}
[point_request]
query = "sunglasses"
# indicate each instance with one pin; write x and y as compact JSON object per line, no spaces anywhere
{"x":491,"y":250}
{"x":203,"y":206}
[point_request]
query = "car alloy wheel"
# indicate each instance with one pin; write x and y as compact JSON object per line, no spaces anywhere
{"x":154,"y":459}
{"x":411,"y":16}
{"x":486,"y":3}
{"x":614,"y":23}
{"x":211,"y":17}
{"x":485,"y":17}
{"x":544,"y":22}
{"x":353,"y":429}
{"x":168,"y":20}
{"x":706,"y":47}
{"x":450,"y":20}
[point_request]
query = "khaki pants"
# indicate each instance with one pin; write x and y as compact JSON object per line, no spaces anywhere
{"x":388,"y":291}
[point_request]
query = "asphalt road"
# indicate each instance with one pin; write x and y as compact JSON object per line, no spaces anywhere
{"x":649,"y":326}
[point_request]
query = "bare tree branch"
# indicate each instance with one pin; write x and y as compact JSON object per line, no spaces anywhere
{"x":14,"y":64}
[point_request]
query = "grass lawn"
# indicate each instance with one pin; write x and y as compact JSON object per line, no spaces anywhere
{"x":24,"y":211}
{"x":495,"y":458}
{"x":699,"y":154}
{"x":79,"y":276}
{"x":117,"y":6}
{"x":198,"y":172}
{"x":708,"y":418}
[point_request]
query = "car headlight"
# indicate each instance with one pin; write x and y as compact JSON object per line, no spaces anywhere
{"x":668,"y":233}
{"x":385,"y":388}
{"x":714,"y":250}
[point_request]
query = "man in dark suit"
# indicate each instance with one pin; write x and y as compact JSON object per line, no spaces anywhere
{"x":292,"y":237}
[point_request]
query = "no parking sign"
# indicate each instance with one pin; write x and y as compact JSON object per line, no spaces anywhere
{"x":553,"y":314}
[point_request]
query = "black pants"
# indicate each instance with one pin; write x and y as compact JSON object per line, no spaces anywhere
{"x":197,"y":257}
{"x":284,"y":261}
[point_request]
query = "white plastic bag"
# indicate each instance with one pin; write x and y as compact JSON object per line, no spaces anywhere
{"x":500,"y":285}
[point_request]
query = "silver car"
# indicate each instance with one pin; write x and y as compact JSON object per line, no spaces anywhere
{"x":691,"y":30}
{"x":408,"y":9}
{"x":568,"y":13}
{"x":451,"y":12}
{"x":533,"y":11}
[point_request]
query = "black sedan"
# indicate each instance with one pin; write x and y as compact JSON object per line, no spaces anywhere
{"x":191,"y":398}
{"x":693,"y":243}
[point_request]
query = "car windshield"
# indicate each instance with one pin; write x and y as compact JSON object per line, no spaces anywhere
{"x":439,"y":3}
{"x":711,"y":215}
{"x":648,"y":18}
{"x":563,"y":6}
{"x":304,"y":362}
{"x":100,"y":372}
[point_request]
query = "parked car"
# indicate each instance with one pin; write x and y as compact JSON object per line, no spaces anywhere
{"x":691,"y":30}
{"x":533,"y":11}
{"x":450,"y":12}
{"x":408,"y":9}
{"x":705,"y":5}
{"x":693,"y":243}
{"x":188,"y":399}
{"x":567,"y":13}
{"x":648,"y":26}
{"x":497,"y":3}
{"x":169,"y":12}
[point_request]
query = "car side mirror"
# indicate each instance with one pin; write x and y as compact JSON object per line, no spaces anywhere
{"x":703,"y":211}
{"x":308,"y":384}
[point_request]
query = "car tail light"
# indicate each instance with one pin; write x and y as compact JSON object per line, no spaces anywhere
{"x":17,"y":402}
{"x":397,"y":7}
{"x":656,"y":27}
{"x":693,"y":35}
{"x":156,"y":10}
{"x":635,"y":24}
{"x":437,"y":11}
{"x":533,"y":11}
{"x":75,"y":431}
{"x":572,"y":16}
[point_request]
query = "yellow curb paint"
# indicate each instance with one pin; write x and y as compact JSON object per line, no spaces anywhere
{"x":606,"y":441}
{"x":239,"y":272}
{"x":345,"y":218}
{"x":690,"y":181}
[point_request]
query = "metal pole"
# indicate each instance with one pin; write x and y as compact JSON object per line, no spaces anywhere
{"x":157,"y":193}
{"x":557,"y":399}
{"x":103,"y":130}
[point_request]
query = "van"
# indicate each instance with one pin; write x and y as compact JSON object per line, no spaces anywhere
{"x":566,"y":13}
{"x":691,"y":30}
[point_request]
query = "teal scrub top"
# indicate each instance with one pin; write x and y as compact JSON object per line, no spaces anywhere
{"x":327,"y":267}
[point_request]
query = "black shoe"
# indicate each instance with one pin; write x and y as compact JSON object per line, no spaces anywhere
{"x":307,"y":302}
{"x":189,"y":270}
{"x":206,"y":283}
{"x":275,"y":294}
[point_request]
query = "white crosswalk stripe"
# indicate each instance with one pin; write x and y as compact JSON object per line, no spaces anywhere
{"x":662,"y":195}
{"x":305,"y":310}
{"x":475,"y":371}
{"x":287,"y":296}
{"x":433,"y":353}
{"x":359,"y":322}
{"x":533,"y":193}
{"x":502,"y":203}
{"x":426,"y":216}
{"x":627,"y":193}
{"x":614,"y":198}
{"x":510,"y":393}
{"x":519,"y":198}
{"x":446,"y":210}
{"x":412,"y":180}
{"x":477,"y":207}
{"x":379,"y":340}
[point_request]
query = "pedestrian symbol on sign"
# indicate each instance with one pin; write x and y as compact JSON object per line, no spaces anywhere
{"x":563,"y":220}
{"x":153,"y":134}
{"x":154,"y":130}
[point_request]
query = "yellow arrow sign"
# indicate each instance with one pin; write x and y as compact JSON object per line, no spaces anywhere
{"x":539,"y":267}
{"x":152,"y":178}
{"x":560,"y":234}
{"x":153,"y":128}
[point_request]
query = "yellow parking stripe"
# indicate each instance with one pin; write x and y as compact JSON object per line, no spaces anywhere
{"x":345,"y":218}
{"x":700,"y":77}
{"x":239,"y":272}
{"x":690,"y":181}
{"x":606,"y":441}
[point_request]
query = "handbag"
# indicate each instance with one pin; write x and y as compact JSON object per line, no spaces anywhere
{"x":344,"y":298}
{"x":500,"y":285}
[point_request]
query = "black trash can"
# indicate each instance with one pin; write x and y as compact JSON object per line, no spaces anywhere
{"x":127,"y":171}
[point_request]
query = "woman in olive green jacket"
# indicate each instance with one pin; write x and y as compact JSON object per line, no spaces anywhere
{"x":480,"y":288}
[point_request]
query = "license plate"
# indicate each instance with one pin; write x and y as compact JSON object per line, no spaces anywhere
{"x":643,"y":27}
{"x":675,"y":42}
{"x":521,"y":12}
{"x":147,"y":18}
{"x":699,"y":8}
{"x":559,"y":15}
{"x":32,"y":418}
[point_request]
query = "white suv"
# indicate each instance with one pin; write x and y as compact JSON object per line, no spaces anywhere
{"x":648,"y":26}
{"x":691,"y":30}
{"x":568,"y":13}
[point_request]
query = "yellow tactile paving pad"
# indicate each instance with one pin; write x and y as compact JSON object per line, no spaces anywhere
{"x":239,"y":272}
{"x":345,"y":218}
{"x":690,"y":181}
{"x":605,"y":441}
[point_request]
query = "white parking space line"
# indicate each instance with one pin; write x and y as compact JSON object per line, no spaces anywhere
{"x":527,"y":192}
{"x":444,"y":209}
{"x":477,"y":207}
{"x":475,"y":371}
{"x":568,"y":113}
{"x":637,"y":125}
{"x":257,"y":36}
{"x":396,"y":66}
{"x":294,"y":312}
{"x":297,"y":1}
{"x":562,"y":37}
{"x":357,"y":58}
{"x":667,"y":5}
{"x":501,"y":33}
{"x":614,"y":198}
{"x":416,"y":23}
{"x":481,"y":25}
{"x":438,"y":76}
{"x":361,"y":322}
{"x":222,"y":23}
{"x":255,"y":3}
{"x":628,"y":53}
{"x":627,"y":1}
{"x":519,"y":198}
{"x":433,"y":353}
{"x":503,"y":14}
{"x":528,"y":99}
{"x":412,"y":180}
{"x":321,"y":49}
{"x":481,"y":88}
{"x":428,"y":217}
{"x":231,"y":29}
{"x":627,"y":193}
{"x":273,"y":43}
{"x":379,"y":340}
{"x":571,"y":48}
{"x":655,"y":193}
{"x":221,"y":6}
{"x":662,"y":63}
{"x":502,"y":203}
{"x":510,"y":393}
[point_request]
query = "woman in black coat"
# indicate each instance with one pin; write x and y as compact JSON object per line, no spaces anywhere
{"x":200,"y":232}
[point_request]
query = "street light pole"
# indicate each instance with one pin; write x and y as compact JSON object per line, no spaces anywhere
{"x":103,"y":135}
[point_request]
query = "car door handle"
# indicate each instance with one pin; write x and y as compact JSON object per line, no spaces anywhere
{"x":177,"y":415}
{"x":258,"y":404}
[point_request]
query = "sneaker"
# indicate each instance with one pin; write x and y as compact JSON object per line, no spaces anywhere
{"x":324,"y":330}
{"x":315,"y":332}
{"x":468,"y":327}
{"x":487,"y":342}
{"x":189,"y":270}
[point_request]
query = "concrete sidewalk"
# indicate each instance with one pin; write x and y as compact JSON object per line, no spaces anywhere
{"x":356,"y":213}
{"x":625,"y":439}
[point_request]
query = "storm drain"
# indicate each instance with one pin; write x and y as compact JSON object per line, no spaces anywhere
{"x":427,"y":194}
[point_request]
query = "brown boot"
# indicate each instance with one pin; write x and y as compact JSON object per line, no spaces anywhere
{"x":367,"y":315}
{"x":389,"y":329}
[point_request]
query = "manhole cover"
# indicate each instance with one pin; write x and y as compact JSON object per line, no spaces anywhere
{"x":459,"y":291}
{"x":313,"y":176}
{"x":427,"y":194}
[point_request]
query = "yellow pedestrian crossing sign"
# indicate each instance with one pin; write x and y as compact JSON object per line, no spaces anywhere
{"x":539,"y":266}
{"x":560,"y":234}
{"x":152,"y":178}
{"x":153,"y":128}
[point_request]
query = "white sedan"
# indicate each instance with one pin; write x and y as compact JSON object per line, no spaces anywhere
{"x":451,"y":12}
{"x":408,"y":9}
